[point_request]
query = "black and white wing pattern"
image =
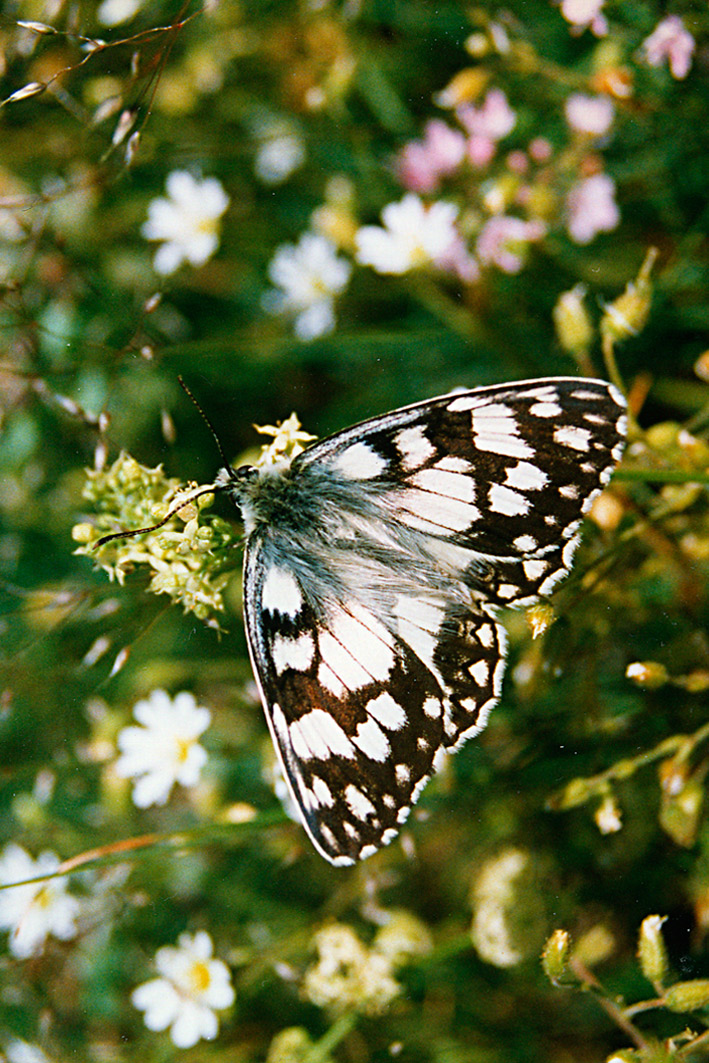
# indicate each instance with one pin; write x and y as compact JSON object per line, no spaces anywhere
{"x":376,"y":564}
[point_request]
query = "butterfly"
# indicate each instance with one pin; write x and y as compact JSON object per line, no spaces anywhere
{"x":376,"y":564}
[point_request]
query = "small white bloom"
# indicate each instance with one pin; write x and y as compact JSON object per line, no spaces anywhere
{"x":278,"y":157}
{"x":310,"y":274}
{"x":187,"y":221}
{"x":589,"y":114}
{"x":191,"y":989}
{"x":413,"y":235}
{"x":164,"y":750}
{"x":608,"y":816}
{"x":113,"y":12}
{"x":585,"y":14}
{"x":37,"y":909}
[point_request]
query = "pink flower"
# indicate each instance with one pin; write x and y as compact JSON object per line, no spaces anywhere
{"x":585,"y":14}
{"x":480,"y":151}
{"x":493,"y":119}
{"x":592,"y":208}
{"x":540,"y":149}
{"x":422,"y":163}
{"x":592,"y":115}
{"x":517,"y":162}
{"x":457,"y":259}
{"x":672,"y":41}
{"x":503,"y":241}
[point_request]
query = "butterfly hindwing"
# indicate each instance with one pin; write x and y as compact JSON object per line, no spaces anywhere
{"x":376,"y":564}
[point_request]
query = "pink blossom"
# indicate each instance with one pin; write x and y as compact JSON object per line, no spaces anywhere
{"x":591,"y":208}
{"x":493,"y":119}
{"x":592,"y":115}
{"x":517,"y":162}
{"x":457,"y":259}
{"x":503,"y":241}
{"x":672,"y":41}
{"x":585,"y":14}
{"x":422,"y":163}
{"x":480,"y":151}
{"x":540,"y":149}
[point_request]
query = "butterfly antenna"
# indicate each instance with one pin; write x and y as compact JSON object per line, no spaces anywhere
{"x":208,"y":423}
{"x":212,"y":489}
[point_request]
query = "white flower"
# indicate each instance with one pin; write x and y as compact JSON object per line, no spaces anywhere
{"x":113,"y":12}
{"x":192,"y":987}
{"x":187,"y":221}
{"x":589,"y":114}
{"x":310,"y":274}
{"x":164,"y":750}
{"x":33,"y":911}
{"x":278,"y":156}
{"x":413,"y":235}
{"x":672,"y":41}
{"x":592,"y":208}
{"x":608,"y":816}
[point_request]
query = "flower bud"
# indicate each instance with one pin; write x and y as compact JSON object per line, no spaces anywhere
{"x":687,"y":996}
{"x":626,"y":315}
{"x":572,"y":322}
{"x":651,"y":675}
{"x":651,"y":948}
{"x":555,"y":958}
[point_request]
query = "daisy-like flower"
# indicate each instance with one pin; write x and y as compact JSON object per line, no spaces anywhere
{"x":191,"y":988}
{"x":164,"y":750}
{"x":349,"y":975}
{"x":592,"y":115}
{"x":309,"y":275}
{"x":592,"y":208}
{"x":503,"y":241}
{"x":187,"y":221}
{"x":413,"y":235}
{"x":34,"y":911}
{"x":671,"y":41}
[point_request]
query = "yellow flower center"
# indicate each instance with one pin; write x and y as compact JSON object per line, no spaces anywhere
{"x":199,"y":976}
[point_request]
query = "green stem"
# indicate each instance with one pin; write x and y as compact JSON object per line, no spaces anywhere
{"x":337,"y":1032}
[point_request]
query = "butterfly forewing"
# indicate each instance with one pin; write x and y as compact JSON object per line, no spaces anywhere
{"x":376,"y":564}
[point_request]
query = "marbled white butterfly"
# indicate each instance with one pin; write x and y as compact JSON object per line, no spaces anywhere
{"x":376,"y":563}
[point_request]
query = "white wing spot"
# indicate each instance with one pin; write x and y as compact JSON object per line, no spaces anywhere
{"x":403,"y":773}
{"x":450,"y":484}
{"x":495,"y":430}
{"x":486,"y":635}
{"x":507,"y":591}
{"x":318,"y":734}
{"x":524,"y":543}
{"x":351,"y":830}
{"x":369,"y":850}
{"x":362,"y":643}
{"x":331,"y":682}
{"x":414,"y":446}
{"x":358,"y":803}
{"x":526,"y":477}
{"x":360,"y":462}
{"x":388,"y":836}
{"x":569,"y":491}
{"x":567,"y":554}
{"x":545,"y":409}
{"x":451,"y":463}
{"x":433,"y":512}
{"x":371,"y":740}
{"x":479,"y":672}
{"x":386,"y":712}
{"x":341,"y":662}
{"x":505,"y":500}
{"x":322,"y":792}
{"x":432,"y":708}
{"x":573,"y":436}
{"x":280,"y":592}
{"x":294,"y":653}
{"x":534,"y":569}
{"x":422,"y":745}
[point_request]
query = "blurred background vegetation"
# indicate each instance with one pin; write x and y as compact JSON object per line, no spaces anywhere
{"x":581,"y":807}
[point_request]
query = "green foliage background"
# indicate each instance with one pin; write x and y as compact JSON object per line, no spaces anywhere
{"x":81,"y":339}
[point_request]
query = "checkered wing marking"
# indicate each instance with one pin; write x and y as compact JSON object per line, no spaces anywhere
{"x":356,"y":714}
{"x":371,"y":619}
{"x":505,"y":472}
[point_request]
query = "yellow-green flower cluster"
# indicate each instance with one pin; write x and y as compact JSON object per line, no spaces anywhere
{"x":190,"y":557}
{"x":349,"y":975}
